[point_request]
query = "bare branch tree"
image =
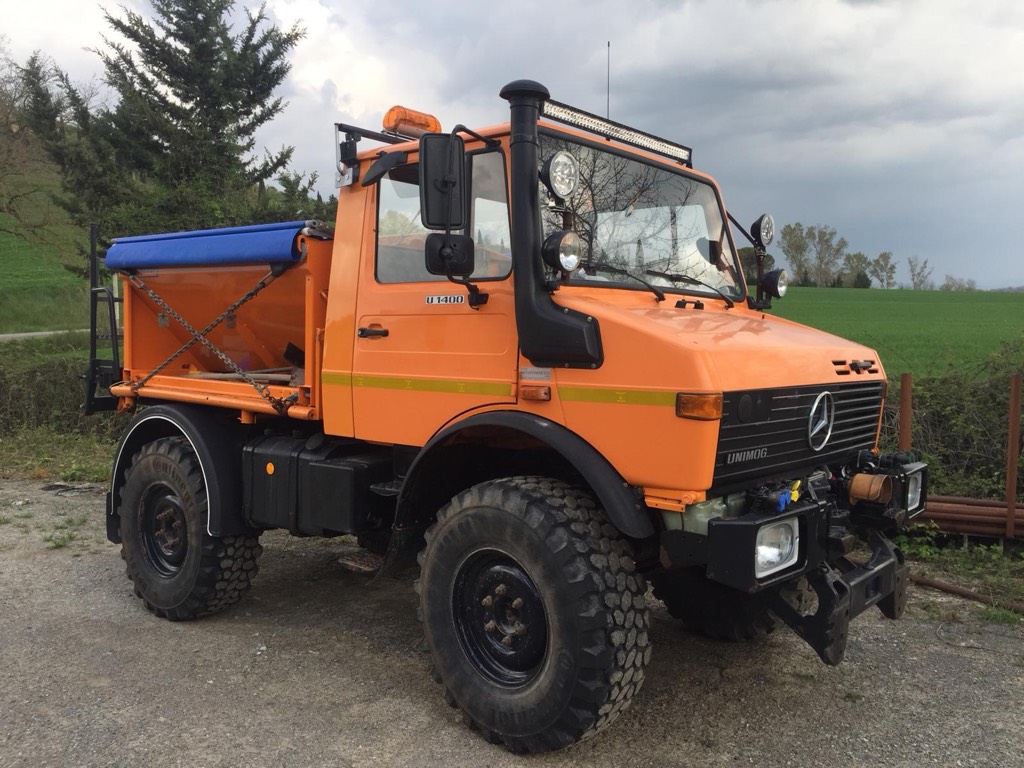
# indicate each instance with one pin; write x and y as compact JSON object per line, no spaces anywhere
{"x":920,"y":274}
{"x":796,"y":248}
{"x":883,"y":270}
{"x":958,"y":284}
{"x":814,"y":253}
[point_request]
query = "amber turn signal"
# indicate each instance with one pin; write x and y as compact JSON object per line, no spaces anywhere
{"x":705,"y":407}
{"x":532,"y":392}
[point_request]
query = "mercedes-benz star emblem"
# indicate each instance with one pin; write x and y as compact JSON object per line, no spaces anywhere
{"x":821,"y":421}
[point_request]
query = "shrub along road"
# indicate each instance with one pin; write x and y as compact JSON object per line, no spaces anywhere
{"x":321,"y":666}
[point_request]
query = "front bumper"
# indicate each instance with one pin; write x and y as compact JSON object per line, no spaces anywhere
{"x":844,"y":588}
{"x":838,"y":510}
{"x":844,"y":593}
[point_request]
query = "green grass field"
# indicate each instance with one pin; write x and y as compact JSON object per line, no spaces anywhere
{"x":920,"y":332}
{"x":36,"y":292}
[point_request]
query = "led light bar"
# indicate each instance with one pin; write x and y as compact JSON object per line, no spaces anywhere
{"x":578,"y":118}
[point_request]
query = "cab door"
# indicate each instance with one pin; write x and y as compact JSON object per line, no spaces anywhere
{"x":423,"y":355}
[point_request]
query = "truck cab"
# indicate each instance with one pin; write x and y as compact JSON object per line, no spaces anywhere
{"x":527,"y":357}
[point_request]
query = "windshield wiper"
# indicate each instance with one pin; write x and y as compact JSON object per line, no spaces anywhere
{"x":590,"y":268}
{"x":729,"y":303}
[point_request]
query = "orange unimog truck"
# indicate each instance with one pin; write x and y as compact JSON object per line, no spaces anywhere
{"x":525,"y":355}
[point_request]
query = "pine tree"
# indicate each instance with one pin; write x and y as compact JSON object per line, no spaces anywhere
{"x":176,"y":150}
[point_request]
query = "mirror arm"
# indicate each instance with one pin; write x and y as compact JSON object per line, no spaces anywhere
{"x":489,"y":143}
{"x":476,"y":296}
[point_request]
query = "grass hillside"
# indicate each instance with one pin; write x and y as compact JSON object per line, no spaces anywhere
{"x":921,"y":332}
{"x":36,"y":292}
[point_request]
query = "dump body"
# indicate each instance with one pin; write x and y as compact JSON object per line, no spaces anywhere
{"x":257,"y":336}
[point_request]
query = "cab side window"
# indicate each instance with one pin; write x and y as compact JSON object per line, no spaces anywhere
{"x":489,"y":216}
{"x":401,"y":236}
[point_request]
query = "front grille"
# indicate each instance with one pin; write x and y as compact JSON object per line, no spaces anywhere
{"x":764,"y":432}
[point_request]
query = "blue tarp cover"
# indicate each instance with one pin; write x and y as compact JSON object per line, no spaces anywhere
{"x":263,"y":243}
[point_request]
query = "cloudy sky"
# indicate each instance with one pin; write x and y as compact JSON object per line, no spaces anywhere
{"x":898,"y":122}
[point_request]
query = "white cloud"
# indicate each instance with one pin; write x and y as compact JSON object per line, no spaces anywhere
{"x":898,"y":122}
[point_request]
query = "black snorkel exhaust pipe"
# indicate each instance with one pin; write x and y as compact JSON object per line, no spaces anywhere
{"x":550,"y":336}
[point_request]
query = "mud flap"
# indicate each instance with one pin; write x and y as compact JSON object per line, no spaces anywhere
{"x":881,"y":581}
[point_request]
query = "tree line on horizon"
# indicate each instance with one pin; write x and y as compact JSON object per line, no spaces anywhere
{"x":818,"y":257}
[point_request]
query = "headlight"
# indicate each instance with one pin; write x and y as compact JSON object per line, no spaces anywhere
{"x":889,"y":495}
{"x":563,"y":250}
{"x":763,"y":230}
{"x":914,"y":481}
{"x":777,"y":547}
{"x":775,"y":283}
{"x":561,"y":174}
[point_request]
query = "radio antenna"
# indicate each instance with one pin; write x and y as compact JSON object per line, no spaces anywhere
{"x":608,"y":90}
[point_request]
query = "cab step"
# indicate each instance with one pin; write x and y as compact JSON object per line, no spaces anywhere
{"x":353,"y":558}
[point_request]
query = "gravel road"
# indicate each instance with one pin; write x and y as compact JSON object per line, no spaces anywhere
{"x":319,"y":666}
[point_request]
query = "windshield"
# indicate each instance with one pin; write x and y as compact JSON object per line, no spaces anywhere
{"x":643,"y":220}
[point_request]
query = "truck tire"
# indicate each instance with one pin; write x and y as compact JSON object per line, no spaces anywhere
{"x":712,"y":609}
{"x":533,"y":612}
{"x":178,"y":569}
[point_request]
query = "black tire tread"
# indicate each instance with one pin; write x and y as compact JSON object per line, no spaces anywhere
{"x":228,"y":564}
{"x":609,"y":580}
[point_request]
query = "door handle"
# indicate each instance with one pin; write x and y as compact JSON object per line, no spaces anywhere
{"x":364,"y":333}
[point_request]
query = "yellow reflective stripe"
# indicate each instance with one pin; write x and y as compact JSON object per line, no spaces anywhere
{"x":617,"y":396}
{"x":337,"y":379}
{"x":491,"y":388}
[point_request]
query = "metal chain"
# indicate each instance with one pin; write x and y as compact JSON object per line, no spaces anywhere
{"x":281,"y":406}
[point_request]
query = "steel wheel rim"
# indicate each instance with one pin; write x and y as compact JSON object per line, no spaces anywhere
{"x":500,"y":620}
{"x":164,"y":530}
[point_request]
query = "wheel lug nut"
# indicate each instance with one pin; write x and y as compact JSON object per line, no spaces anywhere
{"x":517,"y":603}
{"x":518,"y":628}
{"x":487,"y":601}
{"x":507,"y":641}
{"x":490,"y":626}
{"x":500,"y":590}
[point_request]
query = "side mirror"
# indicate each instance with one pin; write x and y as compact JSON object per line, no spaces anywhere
{"x":450,"y":255}
{"x":442,"y":181}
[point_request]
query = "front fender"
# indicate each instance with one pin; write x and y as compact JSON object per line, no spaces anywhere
{"x":624,"y":504}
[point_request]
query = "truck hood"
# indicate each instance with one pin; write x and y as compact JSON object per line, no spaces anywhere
{"x":726,"y":350}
